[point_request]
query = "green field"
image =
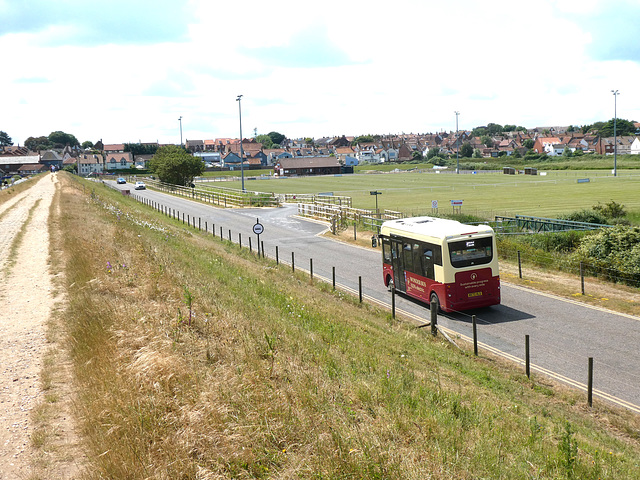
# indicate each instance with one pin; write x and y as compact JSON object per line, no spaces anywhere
{"x":484,"y":194}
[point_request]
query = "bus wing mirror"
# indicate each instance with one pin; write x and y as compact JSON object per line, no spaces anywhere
{"x":374,"y":241}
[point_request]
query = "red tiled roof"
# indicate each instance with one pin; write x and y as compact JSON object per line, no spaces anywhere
{"x":115,"y":147}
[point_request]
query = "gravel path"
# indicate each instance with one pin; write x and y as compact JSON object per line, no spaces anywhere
{"x":26,"y":302}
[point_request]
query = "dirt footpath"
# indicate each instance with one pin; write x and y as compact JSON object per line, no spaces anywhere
{"x":26,"y":303}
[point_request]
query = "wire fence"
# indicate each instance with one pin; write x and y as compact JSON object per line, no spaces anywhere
{"x":564,"y":262}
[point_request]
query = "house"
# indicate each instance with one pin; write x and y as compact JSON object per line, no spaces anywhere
{"x":545,"y":145}
{"x":11,"y":164}
{"x":114,"y":148}
{"x":73,"y":162}
{"x":260,"y":156}
{"x":118,"y":161}
{"x":249,"y":147}
{"x":341,"y":153}
{"x":624,"y":144}
{"x":340,"y":142}
{"x":14,"y":150}
{"x":90,"y":164}
{"x":275,"y":154}
{"x":634,"y":149}
{"x":287,"y":167}
{"x":405,"y":153}
{"x":621,"y":145}
{"x":209,"y":156}
{"x":32,"y":169}
{"x":51,"y":158}
{"x":142,"y":160}
{"x":369,"y":154}
{"x":231,"y":160}
{"x":254,"y":163}
{"x":194,"y":146}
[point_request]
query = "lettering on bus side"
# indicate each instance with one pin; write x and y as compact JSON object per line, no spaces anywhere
{"x":416,"y":286}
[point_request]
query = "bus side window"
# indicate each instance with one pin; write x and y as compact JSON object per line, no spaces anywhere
{"x":427,"y":262}
{"x":437,"y":254}
{"x":407,"y":254}
{"x":386,"y":251}
{"x":417,"y":261}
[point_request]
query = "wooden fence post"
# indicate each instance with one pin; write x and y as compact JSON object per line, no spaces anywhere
{"x":590,"y":383}
{"x":393,"y":301}
{"x":519,"y":265}
{"x":475,"y":335}
{"x":526,"y":356}
{"x":434,"y":316}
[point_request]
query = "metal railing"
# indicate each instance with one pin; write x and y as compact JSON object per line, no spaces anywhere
{"x":528,"y":224}
{"x":223,"y":197}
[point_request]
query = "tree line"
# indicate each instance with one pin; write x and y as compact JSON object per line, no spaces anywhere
{"x":59,"y":139}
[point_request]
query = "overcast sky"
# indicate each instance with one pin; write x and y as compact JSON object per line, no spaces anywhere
{"x":125,"y":71}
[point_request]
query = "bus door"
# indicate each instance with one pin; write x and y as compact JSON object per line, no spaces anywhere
{"x":397,"y":263}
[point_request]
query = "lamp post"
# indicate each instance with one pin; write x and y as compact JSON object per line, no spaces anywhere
{"x":615,"y":140}
{"x":241,"y":150}
{"x":457,"y":144}
{"x":180,"y":120}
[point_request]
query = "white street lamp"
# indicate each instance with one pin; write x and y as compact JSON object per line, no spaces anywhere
{"x":615,"y":140}
{"x":457,"y":144}
{"x":241,"y":150}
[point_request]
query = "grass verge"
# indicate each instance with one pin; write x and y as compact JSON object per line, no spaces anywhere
{"x":194,"y":359}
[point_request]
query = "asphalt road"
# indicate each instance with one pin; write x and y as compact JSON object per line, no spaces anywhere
{"x":563,"y":334}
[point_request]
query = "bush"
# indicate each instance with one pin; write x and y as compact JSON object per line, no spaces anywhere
{"x":616,"y":248}
{"x":611,"y":209}
{"x":586,"y":216}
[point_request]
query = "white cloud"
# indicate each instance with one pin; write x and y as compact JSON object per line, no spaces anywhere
{"x":336,"y":68}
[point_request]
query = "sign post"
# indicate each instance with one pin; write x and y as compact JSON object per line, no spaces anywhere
{"x":376,"y":193}
{"x":258,"y":228}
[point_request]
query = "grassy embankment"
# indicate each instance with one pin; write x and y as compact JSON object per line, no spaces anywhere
{"x":194,"y":359}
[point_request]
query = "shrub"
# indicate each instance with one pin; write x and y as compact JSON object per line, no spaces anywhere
{"x":613,"y":253}
{"x":586,"y":216}
{"x":611,"y":209}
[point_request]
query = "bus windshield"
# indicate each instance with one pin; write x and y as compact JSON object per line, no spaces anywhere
{"x":473,"y":251}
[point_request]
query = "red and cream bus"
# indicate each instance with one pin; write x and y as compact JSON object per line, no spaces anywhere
{"x":443,"y":260}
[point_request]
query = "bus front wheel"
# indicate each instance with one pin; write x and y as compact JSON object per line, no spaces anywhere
{"x":390,"y":284}
{"x":435,"y":300}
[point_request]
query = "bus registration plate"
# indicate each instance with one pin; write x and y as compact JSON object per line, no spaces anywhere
{"x":475,"y":294}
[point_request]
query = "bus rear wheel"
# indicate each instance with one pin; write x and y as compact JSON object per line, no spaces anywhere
{"x":435,"y":300}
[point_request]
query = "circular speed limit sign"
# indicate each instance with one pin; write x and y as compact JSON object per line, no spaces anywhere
{"x":258,"y":228}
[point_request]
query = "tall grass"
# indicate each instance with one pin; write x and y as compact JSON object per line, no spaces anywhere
{"x":278,"y":377}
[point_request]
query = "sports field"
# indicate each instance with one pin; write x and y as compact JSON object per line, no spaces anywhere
{"x":485,"y":194}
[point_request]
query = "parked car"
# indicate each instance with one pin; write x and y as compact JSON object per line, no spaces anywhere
{"x":120,"y":180}
{"x":140,"y":186}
